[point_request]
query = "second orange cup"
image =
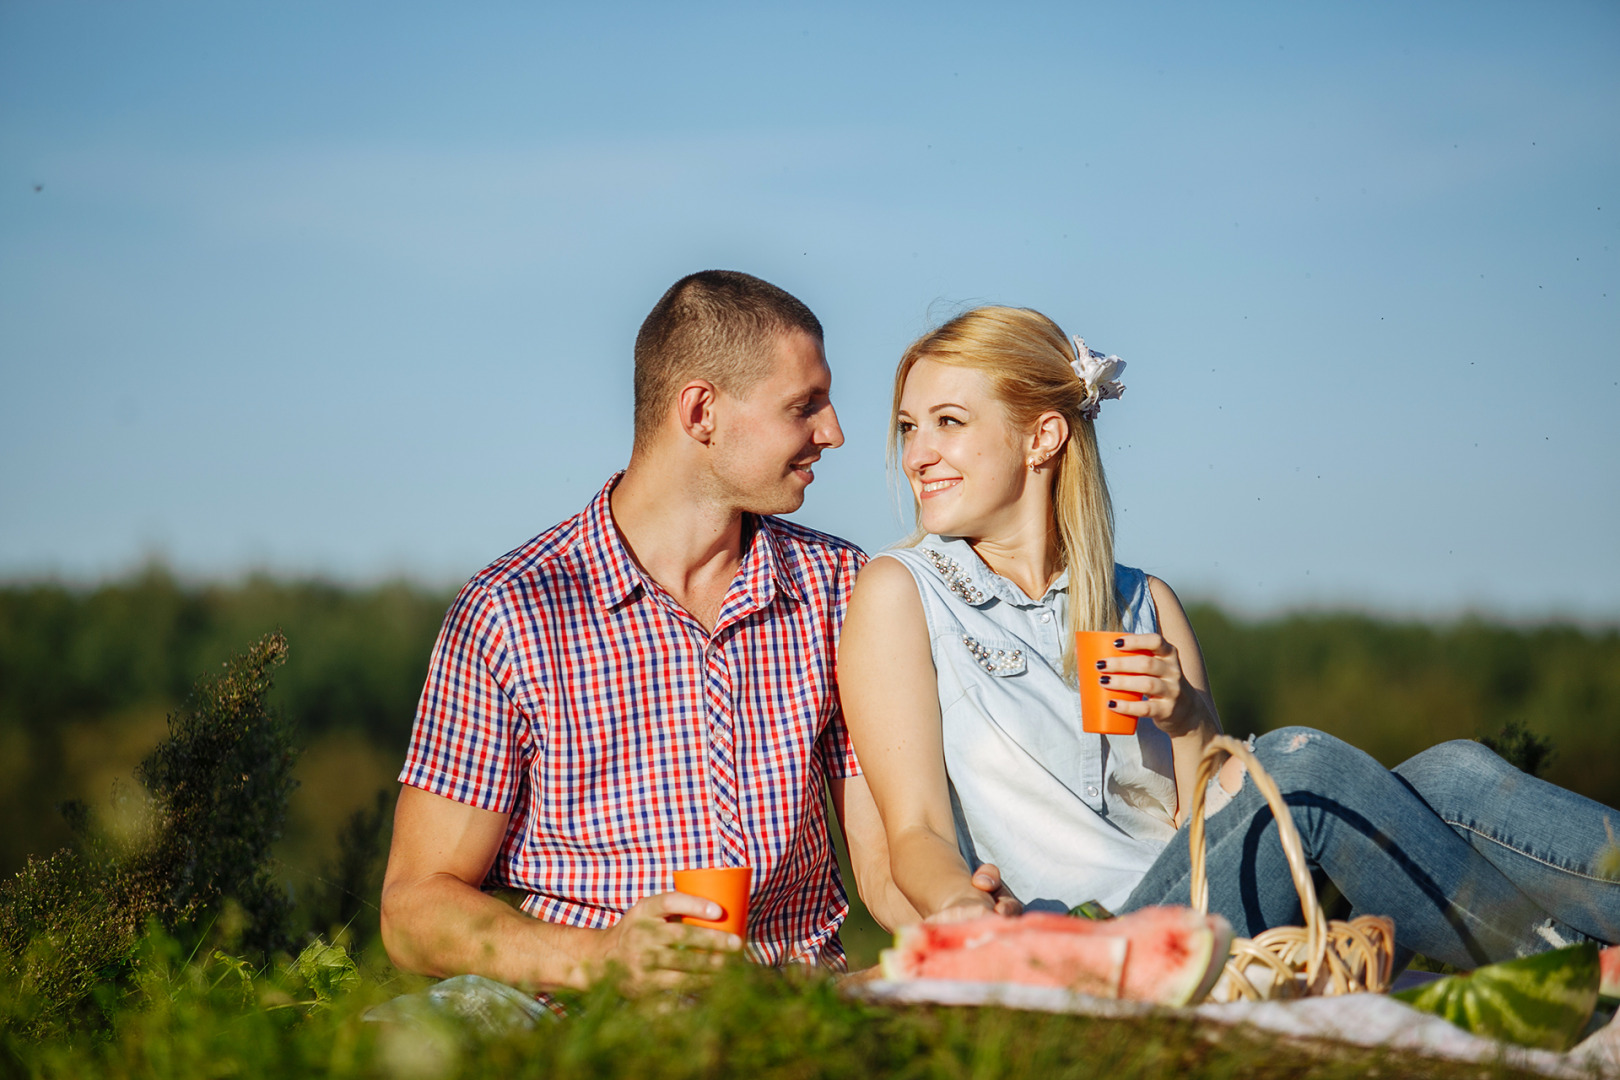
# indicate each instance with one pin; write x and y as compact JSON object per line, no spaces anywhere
{"x":1096,"y":717}
{"x":726,"y":886}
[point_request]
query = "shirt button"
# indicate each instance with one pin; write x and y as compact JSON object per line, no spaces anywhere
{"x":1092,"y":791}
{"x":1046,"y":616}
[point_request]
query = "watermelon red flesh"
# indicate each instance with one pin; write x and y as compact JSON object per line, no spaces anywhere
{"x":1089,"y":963}
{"x":1174,"y":954}
{"x":1609,"y":972}
{"x":956,"y":935}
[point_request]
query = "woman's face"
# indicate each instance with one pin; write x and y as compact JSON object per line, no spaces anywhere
{"x":959,"y":449}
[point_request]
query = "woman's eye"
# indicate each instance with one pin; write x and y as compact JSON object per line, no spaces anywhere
{"x":943,"y":420}
{"x":905,"y":427}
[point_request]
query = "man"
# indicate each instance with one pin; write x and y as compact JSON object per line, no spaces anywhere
{"x":649,"y":686}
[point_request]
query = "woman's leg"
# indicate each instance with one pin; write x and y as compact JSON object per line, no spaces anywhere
{"x":1548,"y":841}
{"x":1381,"y":844}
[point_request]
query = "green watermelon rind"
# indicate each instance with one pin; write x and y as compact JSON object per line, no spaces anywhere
{"x":1219,"y":954}
{"x":1541,"y":1001}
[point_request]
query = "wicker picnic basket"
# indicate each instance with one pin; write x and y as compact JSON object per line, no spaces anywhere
{"x":1320,"y":958}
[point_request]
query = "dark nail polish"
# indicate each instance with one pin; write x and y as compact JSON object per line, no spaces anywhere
{"x":1119,"y":643}
{"x":1100,"y":665}
{"x":1113,"y":704}
{"x":1103,"y":680}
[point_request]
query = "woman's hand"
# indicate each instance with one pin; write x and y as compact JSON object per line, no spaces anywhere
{"x":968,"y":908}
{"x":1178,"y":687}
{"x":987,"y":879}
{"x":1171,"y":701}
{"x":989,"y":896}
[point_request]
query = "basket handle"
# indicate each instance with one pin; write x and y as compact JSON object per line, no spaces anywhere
{"x":1215,"y":754}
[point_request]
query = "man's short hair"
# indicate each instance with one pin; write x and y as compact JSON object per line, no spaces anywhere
{"x":718,"y":325}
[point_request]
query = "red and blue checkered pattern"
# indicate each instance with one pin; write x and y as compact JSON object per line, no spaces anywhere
{"x":571,"y":691}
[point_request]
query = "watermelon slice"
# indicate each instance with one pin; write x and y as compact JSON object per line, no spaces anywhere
{"x":993,"y":949}
{"x":1167,"y":955}
{"x":1541,"y":1001}
{"x":1609,"y":972}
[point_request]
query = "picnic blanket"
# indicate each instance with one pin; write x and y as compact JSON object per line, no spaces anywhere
{"x":1371,"y":1020}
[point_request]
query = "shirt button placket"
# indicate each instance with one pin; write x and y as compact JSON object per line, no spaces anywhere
{"x":1048,"y":629}
{"x":1091,"y":773}
{"x":723,"y":753}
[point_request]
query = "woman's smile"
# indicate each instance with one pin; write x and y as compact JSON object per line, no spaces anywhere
{"x":953,"y":430}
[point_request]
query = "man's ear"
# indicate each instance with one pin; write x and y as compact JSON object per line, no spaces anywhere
{"x":694,"y":409}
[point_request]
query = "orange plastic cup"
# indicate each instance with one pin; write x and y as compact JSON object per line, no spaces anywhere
{"x":1096,"y":717}
{"x":726,"y":886}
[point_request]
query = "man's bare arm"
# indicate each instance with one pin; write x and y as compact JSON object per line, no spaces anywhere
{"x":437,"y":921}
{"x":869,"y":853}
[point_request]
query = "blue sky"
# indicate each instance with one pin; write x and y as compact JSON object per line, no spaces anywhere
{"x":350,"y":289}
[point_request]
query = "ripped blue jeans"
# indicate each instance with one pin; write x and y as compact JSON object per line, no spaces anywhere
{"x":1474,"y":860}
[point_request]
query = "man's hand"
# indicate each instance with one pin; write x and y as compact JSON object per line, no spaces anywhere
{"x":657,"y":951}
{"x":437,"y":921}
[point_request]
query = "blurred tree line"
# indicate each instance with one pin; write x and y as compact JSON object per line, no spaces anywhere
{"x":88,"y":678}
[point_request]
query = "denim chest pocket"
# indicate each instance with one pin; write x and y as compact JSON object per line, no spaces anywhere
{"x":997,"y":656}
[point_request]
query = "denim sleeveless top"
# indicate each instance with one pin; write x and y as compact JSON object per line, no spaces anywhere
{"x":1067,"y":816}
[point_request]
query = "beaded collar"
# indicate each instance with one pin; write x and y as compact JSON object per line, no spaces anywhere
{"x":956,"y":576}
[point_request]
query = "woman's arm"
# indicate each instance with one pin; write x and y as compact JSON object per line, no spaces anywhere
{"x":887,"y":683}
{"x":868,"y":848}
{"x":1178,"y":688}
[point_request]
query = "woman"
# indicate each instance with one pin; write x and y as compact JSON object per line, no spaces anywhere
{"x":957,"y":678}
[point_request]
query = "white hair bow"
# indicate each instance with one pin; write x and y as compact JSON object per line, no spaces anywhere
{"x":1099,"y":373}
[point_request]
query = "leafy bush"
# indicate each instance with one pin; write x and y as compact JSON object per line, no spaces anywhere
{"x":219,"y":786}
{"x":215,"y":799}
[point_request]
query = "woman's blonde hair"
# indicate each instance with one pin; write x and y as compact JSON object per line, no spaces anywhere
{"x":1025,"y":358}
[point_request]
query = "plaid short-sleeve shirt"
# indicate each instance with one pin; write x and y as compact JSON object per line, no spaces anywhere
{"x":568,"y":689}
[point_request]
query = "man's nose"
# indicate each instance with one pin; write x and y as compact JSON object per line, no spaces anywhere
{"x":830,"y":434}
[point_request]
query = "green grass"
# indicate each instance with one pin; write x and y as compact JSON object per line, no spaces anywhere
{"x":210,"y":1017}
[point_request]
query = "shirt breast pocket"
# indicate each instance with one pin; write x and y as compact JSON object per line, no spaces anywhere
{"x":1001,"y":657}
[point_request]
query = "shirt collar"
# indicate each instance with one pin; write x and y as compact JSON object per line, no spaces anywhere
{"x":613,"y":572}
{"x":977,"y":576}
{"x":615,"y":576}
{"x":769,"y":547}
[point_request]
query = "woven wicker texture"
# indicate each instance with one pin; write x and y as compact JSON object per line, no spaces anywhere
{"x":1320,"y":958}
